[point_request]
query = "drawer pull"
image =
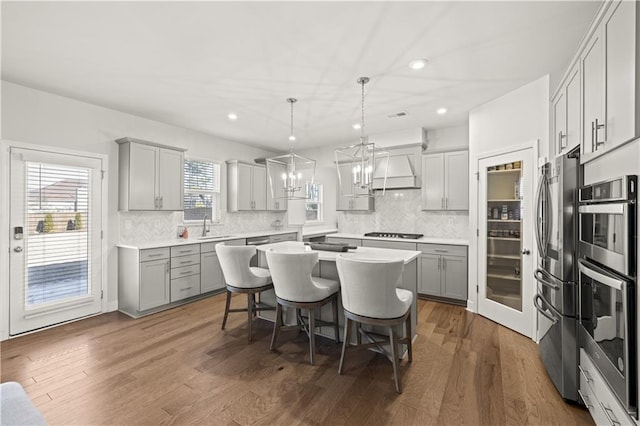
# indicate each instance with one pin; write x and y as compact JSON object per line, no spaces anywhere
{"x":609,"y":413}
{"x":185,"y":261}
{"x":186,"y":288}
{"x":155,"y":255}
{"x":586,"y":374}
{"x":186,"y":272}
{"x":185,"y":251}
{"x":585,"y":399}
{"x":441,"y":251}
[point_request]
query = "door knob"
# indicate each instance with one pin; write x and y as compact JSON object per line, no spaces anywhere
{"x":17,"y":249}
{"x":526,"y":251}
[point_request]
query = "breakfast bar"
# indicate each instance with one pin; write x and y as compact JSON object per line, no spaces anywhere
{"x":326,"y":268}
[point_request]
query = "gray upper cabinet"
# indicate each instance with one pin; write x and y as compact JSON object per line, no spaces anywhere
{"x":445,"y":181}
{"x":150,"y":176}
{"x":592,"y":61}
{"x":604,"y":80}
{"x":246,"y":187}
{"x":565,"y":115}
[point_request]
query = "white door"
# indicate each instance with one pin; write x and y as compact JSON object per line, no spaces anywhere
{"x":56,"y":262}
{"x":505,"y":261}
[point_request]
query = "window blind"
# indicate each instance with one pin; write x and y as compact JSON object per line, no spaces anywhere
{"x":57,"y":241}
{"x":201,"y":190}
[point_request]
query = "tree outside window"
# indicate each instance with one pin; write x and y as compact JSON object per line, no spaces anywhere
{"x":201,"y":190}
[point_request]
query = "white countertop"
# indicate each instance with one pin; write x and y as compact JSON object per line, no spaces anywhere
{"x":366,"y":253}
{"x":209,"y":239}
{"x":317,"y":231}
{"x":423,"y":240}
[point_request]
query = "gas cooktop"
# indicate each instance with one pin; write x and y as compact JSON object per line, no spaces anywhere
{"x":394,"y":235}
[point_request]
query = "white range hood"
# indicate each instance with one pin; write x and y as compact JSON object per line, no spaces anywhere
{"x":404,"y":170}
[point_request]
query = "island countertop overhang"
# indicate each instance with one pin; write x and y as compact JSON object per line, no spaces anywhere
{"x":366,"y":253}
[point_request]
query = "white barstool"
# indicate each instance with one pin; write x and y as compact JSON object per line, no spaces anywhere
{"x":370,"y":296}
{"x":242,"y":278}
{"x":296,"y":288}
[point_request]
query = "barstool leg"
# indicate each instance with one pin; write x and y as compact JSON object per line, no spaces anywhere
{"x":409,"y":337}
{"x":312,"y":334}
{"x":276,"y":326}
{"x":298,"y":315}
{"x":250,"y":314}
{"x":358,"y":334}
{"x":336,"y":326}
{"x":345,"y":342}
{"x":394,"y":357}
{"x":226,"y":309}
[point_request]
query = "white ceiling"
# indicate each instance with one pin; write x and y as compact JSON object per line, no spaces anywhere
{"x":189,"y":64}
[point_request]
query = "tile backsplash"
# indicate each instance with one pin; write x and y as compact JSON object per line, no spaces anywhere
{"x":150,"y":226}
{"x":400,"y":211}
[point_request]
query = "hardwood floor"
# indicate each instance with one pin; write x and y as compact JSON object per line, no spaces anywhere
{"x":178,"y":367}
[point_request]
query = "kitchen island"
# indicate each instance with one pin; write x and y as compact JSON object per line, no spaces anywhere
{"x":326,"y":268}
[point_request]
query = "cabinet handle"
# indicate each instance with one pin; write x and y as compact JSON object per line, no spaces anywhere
{"x":161,"y":201}
{"x":446,"y":202}
{"x":185,"y":261}
{"x":586,"y":374}
{"x":609,"y":413}
{"x":167,"y":267}
{"x":186,"y":288}
{"x":155,"y":255}
{"x":560,"y":138}
{"x":439,"y":262}
{"x":155,"y":203}
{"x":186,"y":272}
{"x":593,"y":129}
{"x":441,"y":251}
{"x":444,"y":262}
{"x":586,"y":399}
{"x":596,"y":128}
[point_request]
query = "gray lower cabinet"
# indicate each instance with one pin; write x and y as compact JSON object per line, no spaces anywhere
{"x":211,"y":277}
{"x":443,"y":271}
{"x":185,"y":272}
{"x":154,"y":284}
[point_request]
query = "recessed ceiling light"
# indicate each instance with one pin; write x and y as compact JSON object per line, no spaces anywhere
{"x":356,"y":126}
{"x":418,"y":64}
{"x":232,"y":116}
{"x":441,"y":111}
{"x":292,"y":138}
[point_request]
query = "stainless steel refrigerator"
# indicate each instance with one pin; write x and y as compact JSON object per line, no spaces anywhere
{"x":557,"y":273}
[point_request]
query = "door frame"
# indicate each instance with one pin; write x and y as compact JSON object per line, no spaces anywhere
{"x":5,"y":232}
{"x":474,"y":218}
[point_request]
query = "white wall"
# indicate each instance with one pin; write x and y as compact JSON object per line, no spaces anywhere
{"x":517,"y":118}
{"x":37,"y":117}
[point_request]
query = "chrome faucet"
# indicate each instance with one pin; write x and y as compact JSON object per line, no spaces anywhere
{"x":204,"y":226}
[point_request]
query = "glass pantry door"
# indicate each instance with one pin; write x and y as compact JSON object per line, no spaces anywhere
{"x":505,"y":237}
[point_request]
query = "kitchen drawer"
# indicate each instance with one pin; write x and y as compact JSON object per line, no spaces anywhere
{"x":443,"y":249}
{"x":180,"y":261}
{"x":590,"y":401}
{"x":181,"y":288}
{"x":185,"y":250}
{"x":154,"y":254}
{"x":207,"y":247}
{"x":395,"y":245}
{"x":283,"y":237}
{"x":593,"y":385}
{"x":185,"y":271}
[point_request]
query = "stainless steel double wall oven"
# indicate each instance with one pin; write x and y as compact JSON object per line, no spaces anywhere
{"x":608,"y":277}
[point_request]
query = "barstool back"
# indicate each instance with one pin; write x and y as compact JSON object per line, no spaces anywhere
{"x":234,"y":261}
{"x":291,"y":275}
{"x":369,"y":287}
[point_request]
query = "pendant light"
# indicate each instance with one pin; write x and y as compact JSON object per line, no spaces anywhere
{"x":289,"y":174}
{"x":361,"y":167}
